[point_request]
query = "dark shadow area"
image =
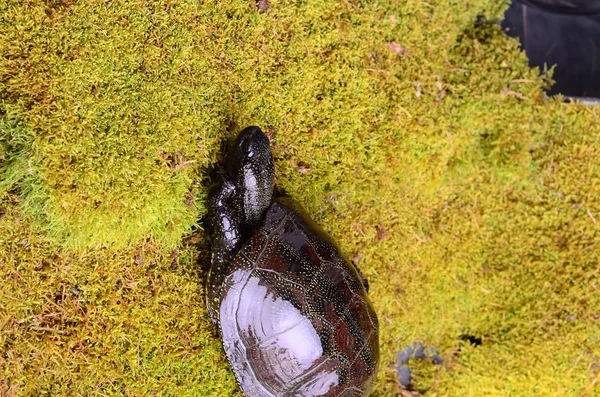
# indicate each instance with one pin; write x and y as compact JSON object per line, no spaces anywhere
{"x":472,"y":339}
{"x":565,"y":33}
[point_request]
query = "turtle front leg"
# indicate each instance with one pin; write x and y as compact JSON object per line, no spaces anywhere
{"x":225,"y":220}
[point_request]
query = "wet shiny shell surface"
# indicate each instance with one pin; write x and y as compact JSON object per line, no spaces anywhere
{"x":294,"y":316}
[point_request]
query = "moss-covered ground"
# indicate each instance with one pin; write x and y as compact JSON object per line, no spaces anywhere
{"x":412,"y":131}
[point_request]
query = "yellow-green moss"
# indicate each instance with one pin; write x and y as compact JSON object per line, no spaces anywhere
{"x":412,"y":131}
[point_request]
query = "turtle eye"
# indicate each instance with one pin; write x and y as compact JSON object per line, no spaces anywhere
{"x":245,"y":146}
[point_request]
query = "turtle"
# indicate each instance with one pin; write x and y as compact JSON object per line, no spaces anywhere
{"x":293,"y":315}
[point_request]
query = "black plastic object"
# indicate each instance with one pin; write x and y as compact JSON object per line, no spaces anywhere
{"x":578,"y":7}
{"x":565,"y":33}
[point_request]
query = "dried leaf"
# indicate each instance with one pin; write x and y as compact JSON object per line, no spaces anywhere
{"x":381,"y":233}
{"x":398,"y":49}
{"x":263,"y":6}
{"x":138,"y":259}
{"x":304,"y":169}
{"x":189,"y":197}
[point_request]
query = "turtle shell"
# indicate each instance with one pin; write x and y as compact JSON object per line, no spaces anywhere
{"x":294,"y":316}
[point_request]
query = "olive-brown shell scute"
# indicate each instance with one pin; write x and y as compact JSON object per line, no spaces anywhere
{"x":294,"y":315}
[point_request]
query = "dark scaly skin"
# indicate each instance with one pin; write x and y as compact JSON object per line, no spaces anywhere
{"x":236,"y":207}
{"x":293,"y":314}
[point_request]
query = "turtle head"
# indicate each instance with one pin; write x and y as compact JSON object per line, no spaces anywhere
{"x":250,"y":167}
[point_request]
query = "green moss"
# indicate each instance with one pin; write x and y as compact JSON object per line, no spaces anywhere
{"x":413,"y":132}
{"x":104,"y":322}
